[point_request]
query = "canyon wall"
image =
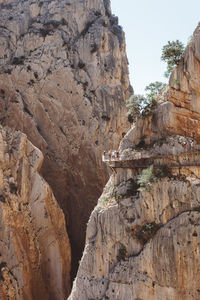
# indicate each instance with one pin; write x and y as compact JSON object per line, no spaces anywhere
{"x":143,"y":236}
{"x":34,"y":248}
{"x":63,"y":82}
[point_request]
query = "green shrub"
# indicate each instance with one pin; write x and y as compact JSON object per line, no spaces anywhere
{"x":150,"y":175}
{"x":149,"y":105}
{"x":146,"y":232}
{"x":154,"y":88}
{"x":146,"y":178}
{"x":140,"y":105}
{"x":172,"y":53}
{"x":134,"y":105}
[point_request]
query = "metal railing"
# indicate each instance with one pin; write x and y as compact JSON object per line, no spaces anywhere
{"x":114,"y":155}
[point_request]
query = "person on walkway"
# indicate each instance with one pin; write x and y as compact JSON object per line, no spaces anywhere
{"x":109,"y":154}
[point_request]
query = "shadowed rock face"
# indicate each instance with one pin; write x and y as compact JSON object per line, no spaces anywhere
{"x":143,"y":236}
{"x":63,"y":81}
{"x":34,"y":247}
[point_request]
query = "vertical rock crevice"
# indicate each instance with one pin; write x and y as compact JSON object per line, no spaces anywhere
{"x":35,"y":254}
{"x":63,"y":82}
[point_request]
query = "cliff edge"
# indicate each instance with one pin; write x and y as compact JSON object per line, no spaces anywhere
{"x":143,"y":236}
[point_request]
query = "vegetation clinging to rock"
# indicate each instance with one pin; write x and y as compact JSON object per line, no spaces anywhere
{"x":146,"y":232}
{"x":146,"y":178}
{"x":151,"y":175}
{"x":172,"y":53}
{"x":140,"y":105}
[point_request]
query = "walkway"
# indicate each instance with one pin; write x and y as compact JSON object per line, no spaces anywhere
{"x":185,"y":159}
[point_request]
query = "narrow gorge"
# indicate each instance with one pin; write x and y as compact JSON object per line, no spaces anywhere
{"x":64,"y":82}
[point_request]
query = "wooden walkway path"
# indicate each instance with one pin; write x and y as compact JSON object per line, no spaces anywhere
{"x":189,"y":159}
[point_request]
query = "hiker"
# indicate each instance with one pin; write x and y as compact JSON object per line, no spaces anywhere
{"x":118,"y":154}
{"x":109,"y":154}
{"x":185,"y":146}
{"x":113,"y":154}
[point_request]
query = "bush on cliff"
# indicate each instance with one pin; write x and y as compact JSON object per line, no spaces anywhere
{"x":140,"y":105}
{"x":134,"y":105}
{"x":150,"y":175}
{"x":172,"y":53}
{"x":154,"y":88}
{"x":146,"y":179}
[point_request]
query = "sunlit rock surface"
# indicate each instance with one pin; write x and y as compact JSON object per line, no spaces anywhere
{"x":34,"y":247}
{"x":143,"y":240}
{"x":63,"y":82}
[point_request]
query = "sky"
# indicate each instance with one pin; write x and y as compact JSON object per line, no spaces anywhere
{"x":148,"y":26}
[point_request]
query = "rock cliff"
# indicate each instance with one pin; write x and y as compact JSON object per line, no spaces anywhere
{"x":63,"y":81}
{"x":34,"y":247}
{"x":143,"y":237}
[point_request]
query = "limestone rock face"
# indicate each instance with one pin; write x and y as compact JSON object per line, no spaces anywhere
{"x":143,"y":236}
{"x":184,"y":82}
{"x":63,"y":81}
{"x":34,"y":246}
{"x":184,"y":90}
{"x":179,"y":110}
{"x":144,"y":247}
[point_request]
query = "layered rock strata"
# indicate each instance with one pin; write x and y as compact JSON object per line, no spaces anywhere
{"x":34,"y":247}
{"x":143,"y":236}
{"x":63,"y":81}
{"x":179,"y":110}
